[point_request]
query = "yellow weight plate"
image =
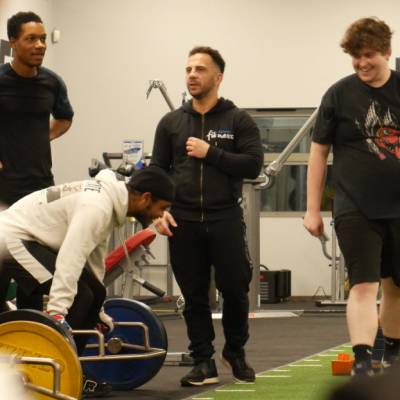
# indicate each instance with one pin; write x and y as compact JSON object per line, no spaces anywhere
{"x":32,"y":339}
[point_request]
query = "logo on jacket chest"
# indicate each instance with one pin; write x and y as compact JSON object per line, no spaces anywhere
{"x":220,"y":134}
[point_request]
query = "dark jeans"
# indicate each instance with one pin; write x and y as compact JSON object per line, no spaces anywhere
{"x":194,"y":247}
{"x":84,"y":312}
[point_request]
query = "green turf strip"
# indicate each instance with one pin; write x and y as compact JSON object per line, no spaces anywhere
{"x":307,"y":379}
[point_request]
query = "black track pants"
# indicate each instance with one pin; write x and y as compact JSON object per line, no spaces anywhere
{"x":84,"y":312}
{"x":194,"y":247}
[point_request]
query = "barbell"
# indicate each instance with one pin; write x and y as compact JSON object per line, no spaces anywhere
{"x":46,"y":357}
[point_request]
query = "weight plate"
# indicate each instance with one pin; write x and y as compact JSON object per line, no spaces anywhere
{"x":129,"y":374}
{"x":40,"y":317}
{"x":33,"y":339}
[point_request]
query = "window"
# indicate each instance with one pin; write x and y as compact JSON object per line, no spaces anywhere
{"x":289,"y":191}
{"x":277,"y":128}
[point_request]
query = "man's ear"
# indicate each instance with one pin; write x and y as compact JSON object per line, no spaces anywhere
{"x":219,"y":78}
{"x":12,"y":42}
{"x":146,"y":197}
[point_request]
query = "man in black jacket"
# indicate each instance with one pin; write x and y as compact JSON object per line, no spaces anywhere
{"x":208,"y":146}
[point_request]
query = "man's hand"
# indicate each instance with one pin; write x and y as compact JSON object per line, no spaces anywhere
{"x":58,"y":127}
{"x":196,"y":147}
{"x":162,"y":224}
{"x":107,"y":323}
{"x":313,"y":223}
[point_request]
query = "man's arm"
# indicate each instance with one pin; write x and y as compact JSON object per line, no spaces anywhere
{"x":84,"y":234}
{"x":315,"y":185}
{"x":62,"y":111}
{"x":58,"y":127}
{"x":248,"y":158}
{"x":161,"y":155}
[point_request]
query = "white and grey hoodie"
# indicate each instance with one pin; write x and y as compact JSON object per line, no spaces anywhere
{"x":75,"y":219}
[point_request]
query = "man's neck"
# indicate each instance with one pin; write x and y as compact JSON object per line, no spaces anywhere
{"x":202,"y":106}
{"x":23,"y":70}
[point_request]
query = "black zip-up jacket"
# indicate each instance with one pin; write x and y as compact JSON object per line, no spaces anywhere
{"x":209,"y":188}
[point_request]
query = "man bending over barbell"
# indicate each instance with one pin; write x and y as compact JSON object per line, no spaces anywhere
{"x":55,"y":240}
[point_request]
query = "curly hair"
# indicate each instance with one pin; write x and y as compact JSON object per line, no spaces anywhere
{"x":371,"y":33}
{"x":214,"y":54}
{"x":14,"y":23}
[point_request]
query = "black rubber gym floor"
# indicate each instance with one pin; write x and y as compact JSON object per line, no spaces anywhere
{"x":273,"y":342}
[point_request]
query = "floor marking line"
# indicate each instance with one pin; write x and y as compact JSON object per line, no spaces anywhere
{"x":235,"y":390}
{"x":327,"y":355}
{"x":311,"y":360}
{"x":306,"y":365}
{"x":274,"y":376}
{"x":319,"y":354}
{"x":279,"y":370}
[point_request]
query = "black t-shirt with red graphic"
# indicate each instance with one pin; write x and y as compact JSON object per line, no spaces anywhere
{"x":362,"y":124}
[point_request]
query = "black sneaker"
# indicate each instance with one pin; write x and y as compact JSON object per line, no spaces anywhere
{"x":241,"y":370}
{"x":93,"y":388}
{"x":203,"y":373}
{"x":388,"y":362}
{"x":362,"y":369}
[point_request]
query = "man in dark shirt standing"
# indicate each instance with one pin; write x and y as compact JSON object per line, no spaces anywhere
{"x":29,"y":94}
{"x":209,"y":146}
{"x":359,"y":118}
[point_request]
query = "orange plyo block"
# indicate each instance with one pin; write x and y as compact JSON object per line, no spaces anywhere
{"x":342,"y":365}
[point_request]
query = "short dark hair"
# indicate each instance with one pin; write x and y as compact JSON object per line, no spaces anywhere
{"x":371,"y":33}
{"x":214,"y":54}
{"x":154,"y":180}
{"x":14,"y":23}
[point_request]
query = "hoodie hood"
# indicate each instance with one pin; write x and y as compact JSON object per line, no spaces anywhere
{"x":117,"y":192}
{"x":222,"y":105}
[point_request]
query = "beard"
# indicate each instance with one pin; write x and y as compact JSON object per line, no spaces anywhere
{"x":203,"y":93}
{"x":144,"y":219}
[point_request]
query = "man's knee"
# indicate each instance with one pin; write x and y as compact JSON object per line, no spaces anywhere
{"x":364,"y":289}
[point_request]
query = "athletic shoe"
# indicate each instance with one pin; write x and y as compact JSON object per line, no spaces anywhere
{"x":362,"y":368}
{"x":388,"y":362}
{"x":203,"y":373}
{"x":241,"y":370}
{"x":93,"y":388}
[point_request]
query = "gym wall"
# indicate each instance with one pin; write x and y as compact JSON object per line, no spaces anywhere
{"x":278,"y":54}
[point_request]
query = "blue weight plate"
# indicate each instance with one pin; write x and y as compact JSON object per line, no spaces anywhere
{"x":37,"y":316}
{"x":129,"y":374}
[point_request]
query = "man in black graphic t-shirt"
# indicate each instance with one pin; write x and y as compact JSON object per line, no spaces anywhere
{"x":363,"y":125}
{"x":359,"y":118}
